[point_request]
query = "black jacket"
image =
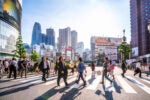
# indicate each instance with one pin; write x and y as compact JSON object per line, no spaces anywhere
{"x":41,"y":66}
{"x":123,"y":65}
{"x":62,"y":68}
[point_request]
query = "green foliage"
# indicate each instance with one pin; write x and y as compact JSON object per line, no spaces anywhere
{"x":100,"y":58}
{"x":20,"y":50}
{"x":125,"y":49}
{"x":34,"y":56}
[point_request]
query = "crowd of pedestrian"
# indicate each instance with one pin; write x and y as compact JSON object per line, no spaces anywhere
{"x":21,"y":67}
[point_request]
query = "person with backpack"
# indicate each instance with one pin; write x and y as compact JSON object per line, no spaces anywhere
{"x":80,"y":69}
{"x":12,"y":66}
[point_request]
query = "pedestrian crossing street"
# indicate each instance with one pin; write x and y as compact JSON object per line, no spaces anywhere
{"x":93,"y":84}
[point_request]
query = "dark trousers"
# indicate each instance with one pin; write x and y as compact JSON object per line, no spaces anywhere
{"x":64,"y":76}
{"x":23,"y":70}
{"x":81,"y":76}
{"x":44,"y":72}
{"x":105,"y":75}
{"x":137,"y":70}
{"x":123,"y":71}
{"x":12,"y":69}
{"x":47,"y":72}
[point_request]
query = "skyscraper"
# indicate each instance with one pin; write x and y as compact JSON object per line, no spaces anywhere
{"x":50,"y":37}
{"x":80,"y":48}
{"x":43,"y":38}
{"x":73,"y":40}
{"x":64,"y":38}
{"x":140,"y":16}
{"x":36,"y":34}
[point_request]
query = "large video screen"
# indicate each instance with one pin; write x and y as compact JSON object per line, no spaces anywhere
{"x":12,"y":8}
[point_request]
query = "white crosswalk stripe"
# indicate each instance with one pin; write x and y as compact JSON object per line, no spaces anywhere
{"x":95,"y":83}
{"x":145,"y":80}
{"x":139,"y":84}
{"x":127,"y":88}
{"x":78,"y":85}
{"x":109,"y":86}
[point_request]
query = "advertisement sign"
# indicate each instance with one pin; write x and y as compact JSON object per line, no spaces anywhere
{"x":12,"y":9}
{"x":135,"y":51}
{"x":107,"y":41}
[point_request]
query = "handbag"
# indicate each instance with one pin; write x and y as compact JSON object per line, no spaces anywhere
{"x":98,"y":72}
{"x":111,"y":67}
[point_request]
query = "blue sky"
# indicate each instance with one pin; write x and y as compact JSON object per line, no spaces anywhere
{"x":87,"y":17}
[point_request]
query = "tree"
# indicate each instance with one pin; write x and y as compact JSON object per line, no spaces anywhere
{"x":34,"y":56}
{"x":100,"y":58}
{"x":20,"y":51}
{"x":124,"y":48}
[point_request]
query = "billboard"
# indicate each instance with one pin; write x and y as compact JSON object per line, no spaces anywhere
{"x":11,"y":7}
{"x":106,"y":41}
{"x":135,"y":51}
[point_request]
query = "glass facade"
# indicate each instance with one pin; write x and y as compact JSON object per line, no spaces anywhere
{"x":8,"y":37}
{"x":10,"y":26}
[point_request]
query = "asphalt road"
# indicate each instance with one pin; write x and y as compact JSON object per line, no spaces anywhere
{"x":32,"y":88}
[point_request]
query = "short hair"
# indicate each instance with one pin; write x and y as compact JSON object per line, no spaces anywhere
{"x":60,"y":58}
{"x":106,"y":58}
{"x":80,"y":59}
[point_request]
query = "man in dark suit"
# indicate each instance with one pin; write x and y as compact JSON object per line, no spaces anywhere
{"x":43,"y":67}
{"x":62,"y":71}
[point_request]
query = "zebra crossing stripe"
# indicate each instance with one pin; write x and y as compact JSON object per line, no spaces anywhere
{"x":127,"y":88}
{"x":30,"y":79}
{"x":139,"y":84}
{"x":94,"y":84}
{"x":22,"y":79}
{"x":109,"y":86}
{"x":69,"y":81}
{"x":53,"y":81}
{"x":143,"y":79}
{"x":78,"y":85}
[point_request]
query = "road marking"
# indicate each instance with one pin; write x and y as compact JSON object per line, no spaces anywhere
{"x":139,"y":84}
{"x":69,"y":81}
{"x":78,"y":85}
{"x":127,"y":88}
{"x":30,"y":79}
{"x":95,"y":83}
{"x":109,"y":86}
{"x":22,"y":79}
{"x":143,"y":79}
{"x":53,"y":81}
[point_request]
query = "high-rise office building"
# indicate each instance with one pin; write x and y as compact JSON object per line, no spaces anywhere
{"x":50,"y":37}
{"x":73,"y":40}
{"x":64,"y":38}
{"x":10,"y":26}
{"x":140,"y":16}
{"x":80,"y":48}
{"x":36,"y":34}
{"x":43,"y":38}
